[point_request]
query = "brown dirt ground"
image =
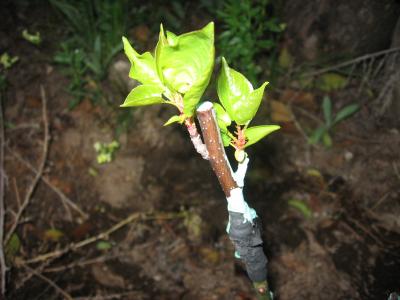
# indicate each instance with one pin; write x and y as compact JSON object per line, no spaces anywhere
{"x":348,"y":249}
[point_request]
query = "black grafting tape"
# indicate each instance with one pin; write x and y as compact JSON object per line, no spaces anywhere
{"x":246,"y":237}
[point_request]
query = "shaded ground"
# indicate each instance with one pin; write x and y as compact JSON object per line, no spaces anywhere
{"x":345,"y":247}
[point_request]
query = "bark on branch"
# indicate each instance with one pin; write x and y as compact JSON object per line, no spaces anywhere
{"x":216,"y":150}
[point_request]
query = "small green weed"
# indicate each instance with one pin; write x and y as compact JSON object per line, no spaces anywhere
{"x":323,"y":133}
{"x":249,"y":29}
{"x":33,"y":38}
{"x":105,"y":152}
{"x":8,"y":61}
{"x":72,"y":60}
{"x":95,"y":29}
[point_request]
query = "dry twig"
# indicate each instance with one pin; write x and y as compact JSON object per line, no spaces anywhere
{"x":50,"y":282}
{"x":20,"y":283}
{"x":103,"y":235}
{"x":55,"y":189}
{"x":137,"y":294}
{"x":83,"y":263}
{"x":42,"y":163}
{"x":352,"y":62}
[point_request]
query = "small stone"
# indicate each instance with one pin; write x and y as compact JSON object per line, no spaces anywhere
{"x":348,"y":155}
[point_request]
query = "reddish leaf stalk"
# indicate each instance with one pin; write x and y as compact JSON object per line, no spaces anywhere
{"x":196,"y":138}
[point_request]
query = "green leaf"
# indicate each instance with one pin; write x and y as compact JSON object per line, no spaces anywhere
{"x":237,"y":95}
{"x":175,"y":119}
{"x":172,"y":38}
{"x":302,"y":207}
{"x":103,"y":245}
{"x":256,"y":133}
{"x":327,"y":109}
{"x":7,"y":61}
{"x":144,"y":95}
{"x":12,"y":247}
{"x":32,"y":38}
{"x":250,"y":108}
{"x":346,"y":112}
{"x":143,"y":66}
{"x":317,"y":135}
{"x":185,"y":63}
{"x":223,"y":118}
{"x":226,"y":140}
{"x":162,"y":42}
{"x":327,"y":140}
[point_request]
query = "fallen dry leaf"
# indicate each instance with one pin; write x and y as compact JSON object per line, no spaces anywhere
{"x":280,"y":113}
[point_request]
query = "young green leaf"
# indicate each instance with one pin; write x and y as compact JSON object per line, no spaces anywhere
{"x":327,"y":109}
{"x":302,"y":207}
{"x":327,"y":140}
{"x":256,"y":133}
{"x":237,"y":95}
{"x":32,"y":38}
{"x":223,"y":118}
{"x":13,"y":246}
{"x":226,"y":140}
{"x":185,"y":63}
{"x":172,"y":38}
{"x":346,"y":112}
{"x":162,"y":42}
{"x":103,"y":245}
{"x":175,"y":119}
{"x":143,"y":66}
{"x":317,"y":135}
{"x":144,"y":95}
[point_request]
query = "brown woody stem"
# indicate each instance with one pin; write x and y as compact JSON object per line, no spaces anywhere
{"x":245,"y":234}
{"x":216,"y":151}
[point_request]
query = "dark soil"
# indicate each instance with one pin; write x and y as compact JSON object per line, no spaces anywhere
{"x":348,"y":248}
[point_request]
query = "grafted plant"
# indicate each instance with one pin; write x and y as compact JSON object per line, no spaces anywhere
{"x":178,"y":74}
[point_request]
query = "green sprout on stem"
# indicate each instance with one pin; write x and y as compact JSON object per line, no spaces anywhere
{"x":178,"y":74}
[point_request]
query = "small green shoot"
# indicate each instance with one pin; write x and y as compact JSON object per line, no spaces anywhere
{"x":73,"y":62}
{"x":12,"y":248}
{"x":178,"y":75}
{"x":323,"y":133}
{"x":93,"y":172}
{"x":34,"y":38}
{"x":302,"y":207}
{"x":103,"y":245}
{"x":240,"y":103}
{"x":105,"y":152}
{"x":8,"y":61}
